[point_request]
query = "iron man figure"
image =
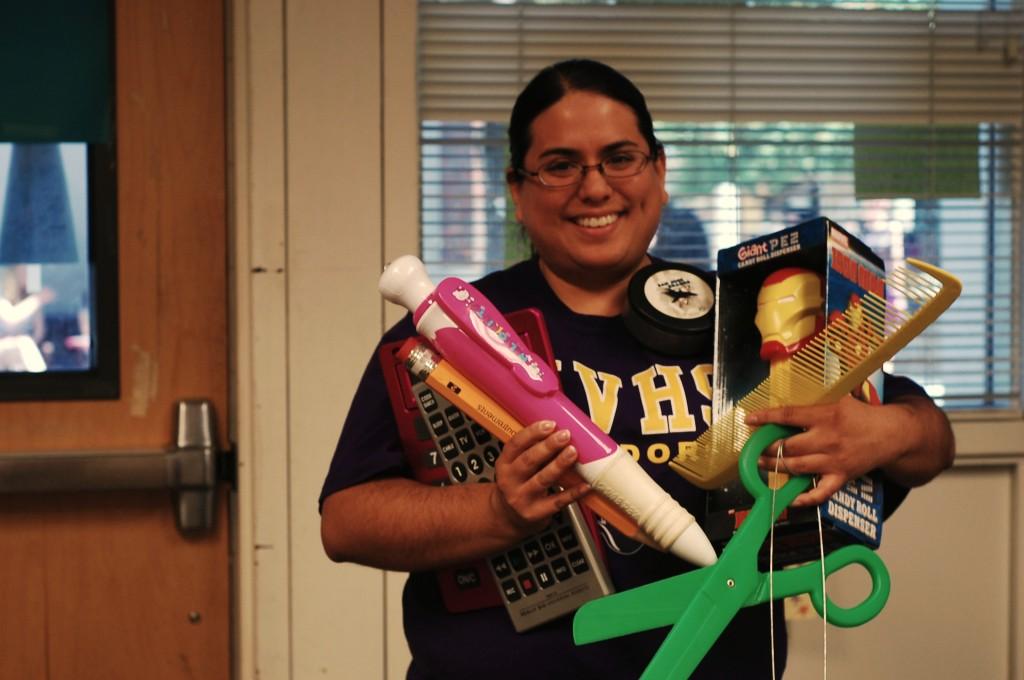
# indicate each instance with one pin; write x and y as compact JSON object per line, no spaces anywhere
{"x":790,"y":312}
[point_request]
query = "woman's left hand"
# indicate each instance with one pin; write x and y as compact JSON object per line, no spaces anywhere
{"x":840,"y":441}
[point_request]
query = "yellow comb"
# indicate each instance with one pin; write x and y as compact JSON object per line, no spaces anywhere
{"x":839,"y":359}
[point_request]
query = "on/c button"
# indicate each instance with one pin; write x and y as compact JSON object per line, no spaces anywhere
{"x":467,"y":578}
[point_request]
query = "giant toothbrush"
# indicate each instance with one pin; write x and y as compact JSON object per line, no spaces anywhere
{"x":471,"y":334}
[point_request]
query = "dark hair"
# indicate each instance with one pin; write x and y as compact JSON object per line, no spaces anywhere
{"x":554,"y":82}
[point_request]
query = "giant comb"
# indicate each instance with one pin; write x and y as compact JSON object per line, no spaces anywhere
{"x":838,"y":360}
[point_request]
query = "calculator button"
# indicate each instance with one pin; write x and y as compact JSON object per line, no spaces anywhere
{"x":511,"y":590}
{"x":568,"y":537}
{"x":550,"y":545}
{"x":437,"y":424}
{"x":578,"y":562}
{"x":544,"y":577}
{"x":428,"y":401}
{"x":515,"y":557}
{"x":475,"y":463}
{"x":500,"y":566}
{"x":482,"y":435}
{"x":467,"y":578}
{"x":527,"y":583}
{"x":490,"y":455}
{"x":483,"y":480}
{"x":447,"y":448}
{"x":458,"y":472}
{"x":561,"y":569}
{"x":455,"y":417}
{"x":533,"y":552}
{"x":464,"y":441}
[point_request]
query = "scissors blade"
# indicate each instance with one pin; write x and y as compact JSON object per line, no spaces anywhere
{"x":650,"y":606}
{"x":690,"y":638}
{"x":731,"y":584}
{"x":663,"y":602}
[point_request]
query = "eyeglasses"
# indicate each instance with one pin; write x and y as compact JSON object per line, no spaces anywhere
{"x":564,"y":173}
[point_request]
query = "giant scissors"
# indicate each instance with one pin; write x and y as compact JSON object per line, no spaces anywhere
{"x":700,"y":604}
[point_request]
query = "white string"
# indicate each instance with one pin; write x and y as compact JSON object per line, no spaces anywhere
{"x":824,"y":596}
{"x":771,"y":577}
{"x":771,"y":566}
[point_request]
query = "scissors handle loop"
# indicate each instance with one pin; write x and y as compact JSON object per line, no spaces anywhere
{"x":750,"y":475}
{"x":808,"y":577}
{"x":870,"y":606}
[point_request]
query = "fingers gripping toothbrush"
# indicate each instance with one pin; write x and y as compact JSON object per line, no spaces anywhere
{"x":471,"y":334}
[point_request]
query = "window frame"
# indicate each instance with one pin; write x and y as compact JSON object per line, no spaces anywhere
{"x":484,"y":20}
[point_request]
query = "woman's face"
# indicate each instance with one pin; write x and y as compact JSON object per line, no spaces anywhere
{"x":595,"y":232}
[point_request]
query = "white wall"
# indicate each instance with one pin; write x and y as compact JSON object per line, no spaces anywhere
{"x":310,"y":91}
{"x":953,"y":553}
{"x":324,"y":192}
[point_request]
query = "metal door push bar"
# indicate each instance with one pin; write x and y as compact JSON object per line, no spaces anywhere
{"x":191,"y":469}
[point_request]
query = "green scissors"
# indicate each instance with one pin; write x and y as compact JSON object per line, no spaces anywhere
{"x":700,"y":604}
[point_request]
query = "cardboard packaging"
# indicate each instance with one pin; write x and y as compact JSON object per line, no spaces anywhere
{"x":803,"y":277}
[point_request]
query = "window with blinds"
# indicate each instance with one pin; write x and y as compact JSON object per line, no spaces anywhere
{"x":899,"y":120}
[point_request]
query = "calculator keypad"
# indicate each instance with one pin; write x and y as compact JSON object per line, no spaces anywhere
{"x":545,"y":576}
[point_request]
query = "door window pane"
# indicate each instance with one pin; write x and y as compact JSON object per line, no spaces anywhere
{"x":46,"y":301}
{"x":57,"y":288}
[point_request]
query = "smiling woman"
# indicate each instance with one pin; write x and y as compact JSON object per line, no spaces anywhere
{"x":591,"y":233}
{"x":587,"y":178}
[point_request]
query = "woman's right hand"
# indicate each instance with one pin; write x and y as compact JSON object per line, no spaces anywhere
{"x":526,"y":492}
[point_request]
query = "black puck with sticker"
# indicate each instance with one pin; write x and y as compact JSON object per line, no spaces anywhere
{"x":671,"y":308}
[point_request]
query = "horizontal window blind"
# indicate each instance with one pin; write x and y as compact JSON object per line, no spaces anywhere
{"x":735,"y":63}
{"x":903,"y":125}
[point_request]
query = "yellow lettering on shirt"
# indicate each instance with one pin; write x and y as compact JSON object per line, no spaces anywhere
{"x":633,"y":450}
{"x":602,"y":391}
{"x":671,"y":392}
{"x":702,"y":381}
{"x":658,"y":453}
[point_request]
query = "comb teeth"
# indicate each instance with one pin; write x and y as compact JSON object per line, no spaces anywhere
{"x":851,"y":347}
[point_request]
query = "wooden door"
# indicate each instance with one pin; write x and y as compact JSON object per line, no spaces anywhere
{"x":103,"y":585}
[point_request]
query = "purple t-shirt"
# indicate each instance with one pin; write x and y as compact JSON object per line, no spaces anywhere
{"x":648,"y":403}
